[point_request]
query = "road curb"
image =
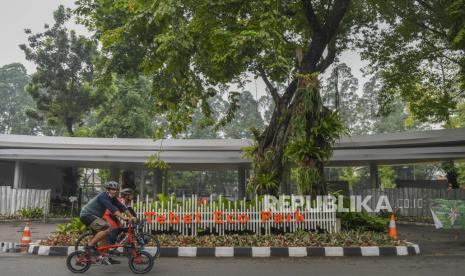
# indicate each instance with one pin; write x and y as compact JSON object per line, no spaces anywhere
{"x":361,"y":251}
{"x":9,"y":247}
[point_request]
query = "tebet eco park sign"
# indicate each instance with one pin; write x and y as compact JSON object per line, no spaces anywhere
{"x":284,"y":213}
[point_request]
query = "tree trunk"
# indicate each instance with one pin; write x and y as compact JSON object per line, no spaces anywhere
{"x":70,"y":181}
{"x":69,"y":126}
{"x":128,"y":179}
{"x":276,"y":134}
{"x":452,"y":175}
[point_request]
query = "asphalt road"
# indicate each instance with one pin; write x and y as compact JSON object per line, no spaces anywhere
{"x":17,"y":264}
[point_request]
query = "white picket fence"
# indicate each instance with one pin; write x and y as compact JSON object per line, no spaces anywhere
{"x":203,"y":217}
{"x":13,"y":200}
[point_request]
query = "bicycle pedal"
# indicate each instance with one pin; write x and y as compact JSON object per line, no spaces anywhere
{"x":105,"y":261}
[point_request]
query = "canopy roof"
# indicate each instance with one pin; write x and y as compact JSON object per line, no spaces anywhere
{"x":394,"y":148}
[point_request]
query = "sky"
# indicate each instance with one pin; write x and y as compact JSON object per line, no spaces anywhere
{"x":17,"y":15}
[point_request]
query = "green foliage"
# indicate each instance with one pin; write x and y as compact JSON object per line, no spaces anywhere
{"x":460,"y":167}
{"x":16,"y":103}
{"x":363,"y":222}
{"x":296,"y":239}
{"x":75,"y":226}
{"x":350,"y":175}
{"x":194,"y":51}
{"x":311,"y":140}
{"x":126,"y":111}
{"x":387,"y":176}
{"x":62,"y":85}
{"x":340,"y":94}
{"x":261,"y":181}
{"x":417,"y":58}
{"x":247,"y":116}
{"x":31,"y":213}
{"x":155,"y":162}
{"x":305,"y":177}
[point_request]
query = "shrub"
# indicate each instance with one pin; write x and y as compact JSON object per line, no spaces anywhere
{"x":75,"y":226}
{"x":363,"y":222}
{"x":31,"y":213}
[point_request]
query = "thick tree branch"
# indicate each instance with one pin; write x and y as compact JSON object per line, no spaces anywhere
{"x":290,"y":91}
{"x":327,"y":10}
{"x":425,"y":5}
{"x":423,"y":25}
{"x":321,"y":40}
{"x":335,"y":16}
{"x":269,"y":85}
{"x":330,"y":56}
{"x":439,"y":52}
{"x":311,"y":16}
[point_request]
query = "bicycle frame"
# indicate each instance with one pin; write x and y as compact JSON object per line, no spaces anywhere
{"x":103,"y":249}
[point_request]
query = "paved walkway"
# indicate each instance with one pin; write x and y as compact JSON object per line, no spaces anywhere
{"x":12,"y":231}
{"x":434,"y":242}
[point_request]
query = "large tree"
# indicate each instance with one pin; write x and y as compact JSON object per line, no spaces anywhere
{"x":126,"y":111}
{"x":247,"y":118}
{"x":61,"y":86}
{"x":419,"y":53}
{"x":193,"y":48}
{"x":340,"y":94}
{"x":15,"y":101}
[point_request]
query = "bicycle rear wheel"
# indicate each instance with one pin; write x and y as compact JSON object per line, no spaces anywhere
{"x":141,"y":263}
{"x":78,"y":262}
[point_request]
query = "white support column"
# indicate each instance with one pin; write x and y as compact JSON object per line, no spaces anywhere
{"x":18,"y":177}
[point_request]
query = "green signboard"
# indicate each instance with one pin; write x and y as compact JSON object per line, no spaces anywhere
{"x":448,"y":214}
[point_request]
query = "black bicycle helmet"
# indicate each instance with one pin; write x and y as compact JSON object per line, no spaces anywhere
{"x":127,"y":191}
{"x":112,"y":185}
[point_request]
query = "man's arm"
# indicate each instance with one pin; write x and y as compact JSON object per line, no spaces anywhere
{"x":106,"y":201}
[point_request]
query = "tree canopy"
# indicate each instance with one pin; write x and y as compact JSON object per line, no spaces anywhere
{"x":62,"y":84}
{"x":193,"y":50}
{"x":15,"y":101}
{"x":418,"y":51}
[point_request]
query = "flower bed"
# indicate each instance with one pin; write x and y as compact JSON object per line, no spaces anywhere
{"x":298,"y":239}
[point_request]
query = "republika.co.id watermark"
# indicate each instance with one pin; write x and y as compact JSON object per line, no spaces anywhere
{"x":330,"y":203}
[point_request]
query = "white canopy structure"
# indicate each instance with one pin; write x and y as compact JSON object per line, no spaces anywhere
{"x":398,"y":148}
{"x":222,"y":154}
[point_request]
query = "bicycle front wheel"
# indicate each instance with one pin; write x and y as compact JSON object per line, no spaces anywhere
{"x":141,"y":263}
